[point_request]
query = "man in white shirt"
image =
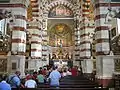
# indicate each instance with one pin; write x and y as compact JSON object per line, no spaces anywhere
{"x":30,"y":83}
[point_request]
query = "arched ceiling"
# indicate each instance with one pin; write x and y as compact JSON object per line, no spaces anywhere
{"x":74,"y":5}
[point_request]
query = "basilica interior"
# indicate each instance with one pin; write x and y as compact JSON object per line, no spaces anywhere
{"x":84,"y":33}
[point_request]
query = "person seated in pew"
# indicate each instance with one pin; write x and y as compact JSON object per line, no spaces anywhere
{"x":30,"y":83}
{"x":40,"y":78}
{"x":64,"y":73}
{"x":69,"y":72}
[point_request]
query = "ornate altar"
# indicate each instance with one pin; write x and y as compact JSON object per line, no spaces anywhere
{"x":61,"y":54}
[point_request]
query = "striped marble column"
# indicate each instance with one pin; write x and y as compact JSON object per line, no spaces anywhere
{"x":36,"y":48}
{"x":36,"y":40}
{"x":77,"y":16}
{"x":76,"y":60}
{"x":104,"y":62}
{"x":45,"y":55}
{"x":35,"y":31}
{"x":85,"y":44}
{"x":18,"y":39}
{"x":35,"y":8}
{"x":77,"y":44}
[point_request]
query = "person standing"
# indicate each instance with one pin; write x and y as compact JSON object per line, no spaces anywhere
{"x":14,"y":80}
{"x":4,"y":85}
{"x":54,"y":77}
{"x":74,"y":71}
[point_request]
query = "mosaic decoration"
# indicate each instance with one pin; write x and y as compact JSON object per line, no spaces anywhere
{"x":60,"y":11}
{"x":91,"y":12}
{"x":60,"y":35}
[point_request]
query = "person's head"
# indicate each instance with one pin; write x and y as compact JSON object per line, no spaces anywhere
{"x":18,"y":73}
{"x":40,"y":72}
{"x":35,"y":73}
{"x":65,"y":70}
{"x":4,"y":77}
{"x":40,"y":68}
{"x":55,"y":67}
{"x":45,"y":69}
{"x":30,"y":77}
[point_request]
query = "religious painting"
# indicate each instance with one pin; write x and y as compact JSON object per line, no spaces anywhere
{"x":60,"y":35}
{"x":117,"y":65}
{"x":60,"y":11}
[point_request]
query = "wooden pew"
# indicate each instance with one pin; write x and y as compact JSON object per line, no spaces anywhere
{"x":60,"y":89}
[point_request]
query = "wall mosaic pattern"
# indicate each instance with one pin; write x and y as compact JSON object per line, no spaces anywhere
{"x":60,"y":35}
{"x":60,"y":11}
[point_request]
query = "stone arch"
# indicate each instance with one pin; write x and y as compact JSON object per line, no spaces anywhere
{"x":53,"y":4}
{"x":59,"y":2}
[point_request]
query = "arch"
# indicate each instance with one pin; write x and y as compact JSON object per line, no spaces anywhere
{"x":59,"y":2}
{"x":60,"y":11}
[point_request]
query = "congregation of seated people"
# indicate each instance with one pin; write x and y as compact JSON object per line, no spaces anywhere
{"x":47,"y":75}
